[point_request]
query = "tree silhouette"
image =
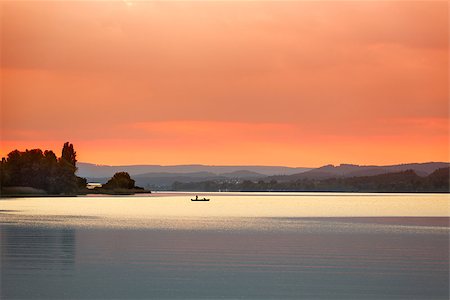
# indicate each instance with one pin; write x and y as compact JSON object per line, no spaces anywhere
{"x":121,"y":180}
{"x":42,"y":170}
{"x":68,"y":154}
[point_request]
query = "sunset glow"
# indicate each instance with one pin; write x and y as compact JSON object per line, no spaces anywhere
{"x":263,"y":83}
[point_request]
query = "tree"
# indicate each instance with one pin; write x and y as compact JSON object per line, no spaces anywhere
{"x":51,"y":172}
{"x":11,"y":168}
{"x":120,"y":180}
{"x":3,"y":175}
{"x":67,"y":168}
{"x":68,"y":154}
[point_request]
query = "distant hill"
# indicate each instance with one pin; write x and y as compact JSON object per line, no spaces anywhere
{"x":243,"y":174}
{"x":162,"y":177}
{"x":403,"y":181}
{"x":98,"y":171}
{"x":348,"y":170}
{"x":165,"y":180}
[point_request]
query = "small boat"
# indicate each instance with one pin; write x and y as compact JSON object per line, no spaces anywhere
{"x":199,"y":199}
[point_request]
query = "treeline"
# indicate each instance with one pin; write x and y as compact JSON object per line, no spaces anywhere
{"x":44,"y":173}
{"x":42,"y":170}
{"x":406,"y":181}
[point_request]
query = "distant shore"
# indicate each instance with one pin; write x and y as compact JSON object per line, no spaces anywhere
{"x":26,"y":192}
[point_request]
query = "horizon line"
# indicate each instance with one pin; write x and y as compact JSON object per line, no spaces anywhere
{"x":262,"y":165}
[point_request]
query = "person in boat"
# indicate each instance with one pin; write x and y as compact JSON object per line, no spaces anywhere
{"x":196,"y":197}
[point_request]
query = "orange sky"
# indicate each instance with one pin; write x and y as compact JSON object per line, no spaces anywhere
{"x":273,"y":83}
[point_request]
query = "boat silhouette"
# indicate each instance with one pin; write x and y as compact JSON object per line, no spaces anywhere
{"x":199,"y":199}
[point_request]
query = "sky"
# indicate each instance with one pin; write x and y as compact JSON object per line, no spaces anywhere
{"x":303,"y":83}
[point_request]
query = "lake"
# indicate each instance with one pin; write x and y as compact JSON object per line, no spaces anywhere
{"x":238,"y":245}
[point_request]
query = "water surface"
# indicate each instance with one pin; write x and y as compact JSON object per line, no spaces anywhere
{"x":252,"y":246}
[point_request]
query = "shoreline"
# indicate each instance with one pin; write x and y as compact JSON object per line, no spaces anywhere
{"x":252,"y":193}
{"x":27,"y":192}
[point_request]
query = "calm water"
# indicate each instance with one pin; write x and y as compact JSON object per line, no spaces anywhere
{"x":298,"y":246}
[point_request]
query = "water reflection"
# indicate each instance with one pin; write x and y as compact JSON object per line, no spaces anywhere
{"x":94,"y":263}
{"x":31,"y":254}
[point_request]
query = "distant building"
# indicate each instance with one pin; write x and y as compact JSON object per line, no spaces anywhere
{"x":93,"y":185}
